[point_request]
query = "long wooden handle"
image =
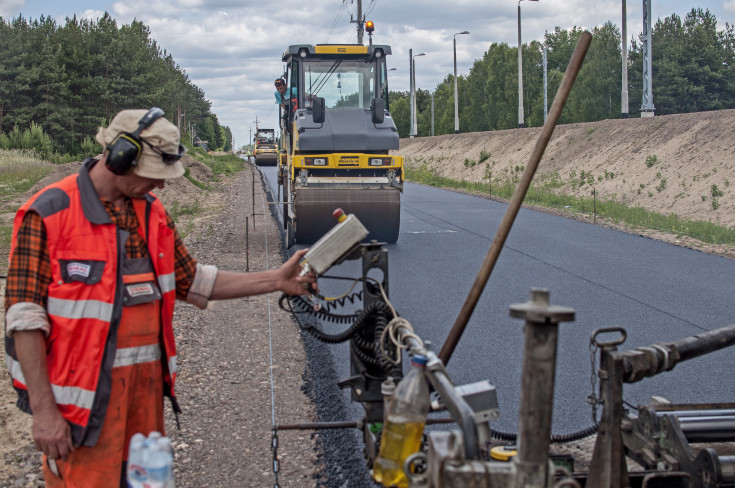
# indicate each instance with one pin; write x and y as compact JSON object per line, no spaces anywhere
{"x":515,"y":204}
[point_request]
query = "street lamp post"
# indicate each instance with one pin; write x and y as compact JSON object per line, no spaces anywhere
{"x":413,"y":91}
{"x":521,"y":121}
{"x":432,"y":114}
{"x":410,"y":92}
{"x":624,"y":50}
{"x":456,"y":98}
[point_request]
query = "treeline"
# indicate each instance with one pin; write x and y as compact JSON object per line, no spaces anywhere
{"x":693,"y":70}
{"x":70,"y":79}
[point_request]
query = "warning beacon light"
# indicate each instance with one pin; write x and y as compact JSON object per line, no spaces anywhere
{"x":370,"y":27}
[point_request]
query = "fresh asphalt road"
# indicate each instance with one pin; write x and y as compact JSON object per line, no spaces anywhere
{"x":658,"y":292}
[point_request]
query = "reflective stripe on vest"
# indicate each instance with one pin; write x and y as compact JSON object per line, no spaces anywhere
{"x":64,"y":395}
{"x":129,"y":356}
{"x":14,"y":367}
{"x":172,"y":365}
{"x":79,"y":309}
{"x":167,"y":282}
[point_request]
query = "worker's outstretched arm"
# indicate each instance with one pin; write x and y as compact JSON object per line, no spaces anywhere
{"x":285,"y":279}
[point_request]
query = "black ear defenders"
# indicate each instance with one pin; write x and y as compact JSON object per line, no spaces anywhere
{"x":125,"y":149}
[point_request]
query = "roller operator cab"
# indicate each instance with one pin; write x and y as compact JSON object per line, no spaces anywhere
{"x":337,"y":137}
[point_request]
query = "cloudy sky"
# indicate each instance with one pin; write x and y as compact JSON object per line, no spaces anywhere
{"x":232,"y":48}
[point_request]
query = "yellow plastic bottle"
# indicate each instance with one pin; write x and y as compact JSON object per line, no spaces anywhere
{"x":404,"y":426}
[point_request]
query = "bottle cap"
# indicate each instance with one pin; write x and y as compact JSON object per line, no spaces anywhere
{"x":339,"y":214}
{"x":418,"y":360}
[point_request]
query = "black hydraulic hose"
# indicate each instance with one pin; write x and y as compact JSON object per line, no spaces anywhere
{"x":374,"y":311}
{"x":363,"y":356}
{"x":300,"y":306}
{"x":388,"y":366}
{"x":555,"y":438}
{"x":341,"y":302}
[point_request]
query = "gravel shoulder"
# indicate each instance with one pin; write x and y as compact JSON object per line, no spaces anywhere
{"x":242,"y":364}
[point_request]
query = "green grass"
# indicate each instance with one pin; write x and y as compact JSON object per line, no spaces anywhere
{"x":19,"y":171}
{"x":178,"y":210}
{"x":197,"y":183}
{"x":617,"y":212}
{"x":6,"y":232}
{"x":221,"y":165}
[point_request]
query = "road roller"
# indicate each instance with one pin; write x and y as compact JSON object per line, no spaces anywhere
{"x":266,"y":151}
{"x":337,"y":137}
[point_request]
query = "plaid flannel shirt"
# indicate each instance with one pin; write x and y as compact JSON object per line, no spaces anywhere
{"x":29,"y":274}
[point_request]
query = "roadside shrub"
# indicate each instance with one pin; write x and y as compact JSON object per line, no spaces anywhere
{"x":90,"y":147}
{"x":32,"y":139}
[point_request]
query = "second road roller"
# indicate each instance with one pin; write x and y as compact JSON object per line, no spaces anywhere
{"x":337,"y":134}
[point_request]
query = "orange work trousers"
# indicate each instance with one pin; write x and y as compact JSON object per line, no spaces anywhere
{"x":136,"y":405}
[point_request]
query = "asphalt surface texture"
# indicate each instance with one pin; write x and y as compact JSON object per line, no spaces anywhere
{"x":657,"y":292}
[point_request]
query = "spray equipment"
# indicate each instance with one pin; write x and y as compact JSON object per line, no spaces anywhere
{"x":335,"y":245}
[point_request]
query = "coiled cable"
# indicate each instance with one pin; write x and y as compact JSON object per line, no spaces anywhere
{"x":555,"y":438}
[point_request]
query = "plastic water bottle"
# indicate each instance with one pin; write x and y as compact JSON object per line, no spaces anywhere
{"x":150,"y":462}
{"x":404,"y":426}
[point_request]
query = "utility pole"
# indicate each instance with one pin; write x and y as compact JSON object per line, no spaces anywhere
{"x":410,"y":91}
{"x":360,"y":21}
{"x":546,"y":82}
{"x":647,"y":108}
{"x":521,"y":120}
{"x":624,"y":93}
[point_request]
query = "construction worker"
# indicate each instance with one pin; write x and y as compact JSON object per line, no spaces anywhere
{"x":283,"y":94}
{"x":95,"y":265}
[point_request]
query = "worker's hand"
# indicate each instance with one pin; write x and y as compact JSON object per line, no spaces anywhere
{"x":290,"y":282}
{"x":51,"y":433}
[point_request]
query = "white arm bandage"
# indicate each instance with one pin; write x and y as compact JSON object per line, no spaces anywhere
{"x":202,"y":286}
{"x":26,"y":316}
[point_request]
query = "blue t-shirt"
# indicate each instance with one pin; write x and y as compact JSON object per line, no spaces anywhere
{"x":289,"y":94}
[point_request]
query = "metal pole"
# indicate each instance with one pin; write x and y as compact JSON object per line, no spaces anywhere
{"x":247,"y":245}
{"x":410,"y":89}
{"x":521,"y":121}
{"x":647,"y":109}
{"x":359,"y":22}
{"x":624,"y":92}
{"x":541,"y":332}
{"x":515,"y":204}
{"x":456,"y":97}
{"x":546,"y":82}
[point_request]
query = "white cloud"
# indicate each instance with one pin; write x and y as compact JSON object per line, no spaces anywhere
{"x":729,"y":6}
{"x":91,"y":14}
{"x":10,"y":8}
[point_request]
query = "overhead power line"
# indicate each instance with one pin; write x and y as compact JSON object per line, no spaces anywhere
{"x":336,"y":19}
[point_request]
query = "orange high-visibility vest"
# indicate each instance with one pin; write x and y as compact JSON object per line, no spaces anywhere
{"x":86,"y":296}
